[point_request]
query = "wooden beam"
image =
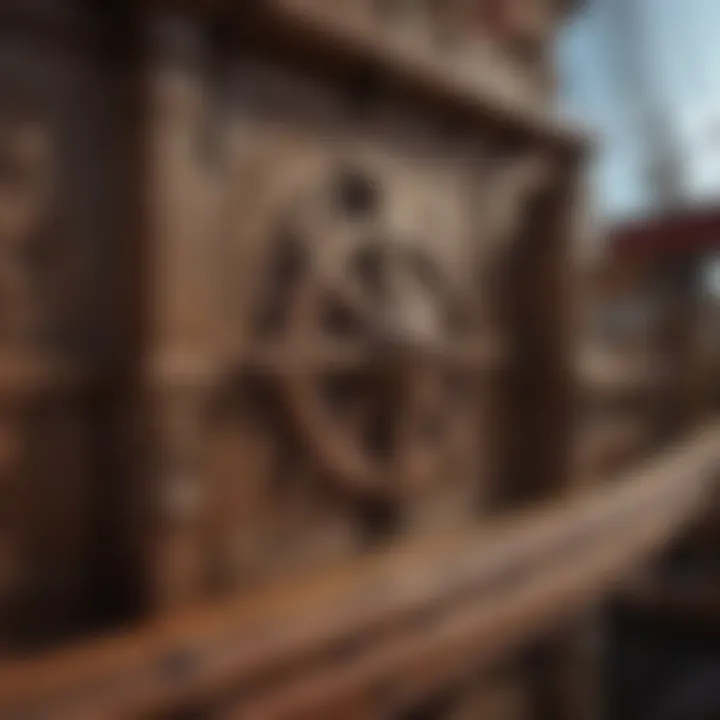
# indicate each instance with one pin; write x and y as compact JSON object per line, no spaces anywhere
{"x":486,"y":92}
{"x":477,"y":593}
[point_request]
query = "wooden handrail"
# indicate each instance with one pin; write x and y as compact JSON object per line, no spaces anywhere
{"x":477,"y":592}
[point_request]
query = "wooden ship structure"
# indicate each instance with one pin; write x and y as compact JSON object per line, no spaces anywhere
{"x":299,"y":418}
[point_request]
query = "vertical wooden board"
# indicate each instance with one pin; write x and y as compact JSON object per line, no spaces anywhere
{"x":542,"y":378}
{"x":180,"y":137}
{"x":177,"y":357}
{"x":55,"y":239}
{"x":176,"y":572}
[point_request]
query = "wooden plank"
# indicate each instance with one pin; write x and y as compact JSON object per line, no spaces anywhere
{"x":496,"y":584}
{"x":181,"y":223}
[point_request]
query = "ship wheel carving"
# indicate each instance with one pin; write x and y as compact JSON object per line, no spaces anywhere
{"x":367,"y":334}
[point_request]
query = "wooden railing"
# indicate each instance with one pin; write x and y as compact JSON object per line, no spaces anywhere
{"x":408,"y":618}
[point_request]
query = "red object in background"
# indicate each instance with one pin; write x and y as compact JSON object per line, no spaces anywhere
{"x":676,"y":234}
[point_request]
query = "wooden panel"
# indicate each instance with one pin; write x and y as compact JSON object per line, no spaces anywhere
{"x":321,"y":234}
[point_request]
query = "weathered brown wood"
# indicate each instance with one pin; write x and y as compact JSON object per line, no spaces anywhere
{"x":541,"y":372}
{"x":487,"y":90}
{"x":436,"y":655}
{"x":490,"y":589}
{"x":607,"y":444}
{"x":54,"y":285}
{"x":180,"y":220}
{"x":296,"y":329}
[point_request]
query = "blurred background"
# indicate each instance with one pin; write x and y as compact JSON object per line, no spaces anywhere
{"x":644,"y":75}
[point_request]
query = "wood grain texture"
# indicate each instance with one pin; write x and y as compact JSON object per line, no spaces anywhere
{"x":491,"y":589}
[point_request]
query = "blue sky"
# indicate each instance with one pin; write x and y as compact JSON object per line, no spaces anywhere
{"x":682,"y":47}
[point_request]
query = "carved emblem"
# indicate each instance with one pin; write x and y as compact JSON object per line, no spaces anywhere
{"x":366,"y":325}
